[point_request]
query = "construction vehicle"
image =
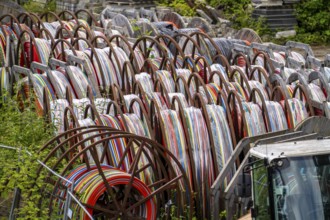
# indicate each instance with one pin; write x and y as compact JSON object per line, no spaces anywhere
{"x":284,"y":175}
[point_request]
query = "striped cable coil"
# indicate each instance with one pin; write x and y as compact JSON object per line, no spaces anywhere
{"x":297,"y":110}
{"x":89,"y":184}
{"x":116,"y":146}
{"x":220,"y":133}
{"x":174,"y":141}
{"x":199,"y":144}
{"x":139,"y":127}
{"x":277,"y":118}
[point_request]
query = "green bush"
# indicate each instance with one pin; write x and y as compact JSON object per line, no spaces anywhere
{"x":313,"y":21}
{"x":27,"y":131}
{"x":180,"y":6}
{"x":38,"y":8}
{"x":239,"y":12}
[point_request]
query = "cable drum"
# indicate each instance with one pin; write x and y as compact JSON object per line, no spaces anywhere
{"x":253,"y":119}
{"x":199,"y":144}
{"x":221,"y":69}
{"x":158,"y":98}
{"x":92,"y":188}
{"x":167,"y":79}
{"x":277,"y":117}
{"x":40,"y":81}
{"x":107,"y":69}
{"x":298,"y":111}
{"x":145,"y":28}
{"x":87,"y":122}
{"x":316,"y":93}
{"x":57,"y":108}
{"x":248,"y":35}
{"x":139,"y":127}
{"x":185,"y":74}
{"x":174,"y":140}
{"x":174,"y":18}
{"x":44,"y":48}
{"x":212,"y":90}
{"x":179,"y":96}
{"x":220,"y":133}
{"x":122,"y":24}
{"x":106,"y":191}
{"x":116,"y":146}
{"x":79,"y":106}
{"x":145,"y":81}
{"x":79,"y":81}
{"x":202,"y":24}
{"x":136,"y":107}
{"x":60,"y":78}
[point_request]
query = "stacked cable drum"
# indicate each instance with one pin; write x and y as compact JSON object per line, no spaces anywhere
{"x":146,"y":123}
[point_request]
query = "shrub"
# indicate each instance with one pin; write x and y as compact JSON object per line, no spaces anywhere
{"x":28,"y":131}
{"x":239,"y":12}
{"x":39,"y":8}
{"x":313,"y":21}
{"x":180,"y":6}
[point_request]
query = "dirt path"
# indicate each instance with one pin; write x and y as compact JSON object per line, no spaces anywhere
{"x":321,"y":51}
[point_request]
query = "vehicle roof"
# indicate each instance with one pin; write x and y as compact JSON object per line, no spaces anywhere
{"x":292,"y":149}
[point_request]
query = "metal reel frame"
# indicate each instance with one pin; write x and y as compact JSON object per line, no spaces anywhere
{"x":69,"y":149}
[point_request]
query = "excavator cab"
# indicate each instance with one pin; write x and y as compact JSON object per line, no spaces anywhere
{"x":291,"y":181}
{"x":284,"y":175}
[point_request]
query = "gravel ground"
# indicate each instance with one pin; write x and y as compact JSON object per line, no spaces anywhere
{"x":321,"y":51}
